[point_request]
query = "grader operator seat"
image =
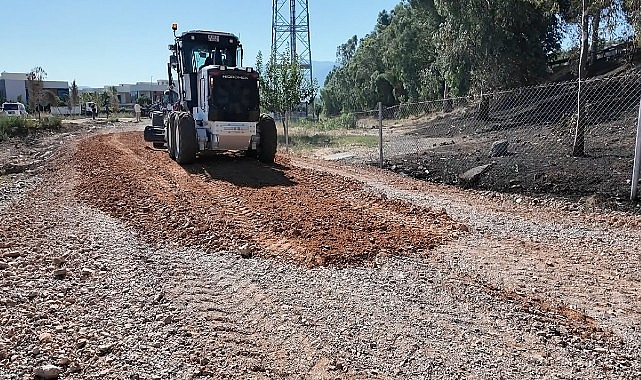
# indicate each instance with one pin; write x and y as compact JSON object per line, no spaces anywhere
{"x":208,"y":62}
{"x":218,"y":57}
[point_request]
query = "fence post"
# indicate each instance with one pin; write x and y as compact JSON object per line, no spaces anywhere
{"x":637,"y":160}
{"x":380,"y":135}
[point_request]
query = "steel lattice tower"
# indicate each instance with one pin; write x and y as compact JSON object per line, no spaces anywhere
{"x":290,"y":31}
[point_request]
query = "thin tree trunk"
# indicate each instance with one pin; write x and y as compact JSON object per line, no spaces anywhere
{"x":447,"y":102}
{"x":579,"y":136}
{"x":285,"y":122}
{"x":288,"y":118}
{"x":585,"y":30}
{"x":594,"y":43}
{"x":282,"y":120}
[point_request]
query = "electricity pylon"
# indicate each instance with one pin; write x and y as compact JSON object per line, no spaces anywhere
{"x":290,"y":32}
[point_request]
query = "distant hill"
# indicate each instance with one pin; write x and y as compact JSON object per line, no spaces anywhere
{"x":321,"y":69}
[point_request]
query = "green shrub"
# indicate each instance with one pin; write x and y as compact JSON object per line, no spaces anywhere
{"x":18,"y":126}
{"x":52,"y":123}
{"x":306,"y":124}
{"x":14,"y":126}
{"x":343,"y":121}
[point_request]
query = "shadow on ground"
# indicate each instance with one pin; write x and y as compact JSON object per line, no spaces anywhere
{"x":240,"y":171}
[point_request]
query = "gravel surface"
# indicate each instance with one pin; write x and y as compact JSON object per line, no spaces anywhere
{"x":96,"y":283}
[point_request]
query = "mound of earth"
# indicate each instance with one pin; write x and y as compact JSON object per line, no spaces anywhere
{"x":278,"y":211}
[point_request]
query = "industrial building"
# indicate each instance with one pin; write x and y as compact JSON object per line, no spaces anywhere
{"x":13,"y":87}
{"x":129,"y":93}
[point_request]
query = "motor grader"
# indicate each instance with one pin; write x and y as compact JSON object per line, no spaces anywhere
{"x":218,"y":104}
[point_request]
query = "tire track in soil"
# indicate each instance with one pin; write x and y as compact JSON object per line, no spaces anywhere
{"x":234,"y":203}
{"x":283,"y":212}
{"x":224,"y":203}
{"x":579,"y":322}
{"x":239,"y":299}
{"x":233,"y":344}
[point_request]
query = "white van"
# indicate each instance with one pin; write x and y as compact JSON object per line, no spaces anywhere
{"x":14,"y":109}
{"x":89,"y":106}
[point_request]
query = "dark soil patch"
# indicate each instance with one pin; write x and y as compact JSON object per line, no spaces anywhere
{"x":539,"y":127}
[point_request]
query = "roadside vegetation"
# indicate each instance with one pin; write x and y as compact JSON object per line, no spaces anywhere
{"x":17,"y":126}
{"x":434,"y":49}
{"x":337,"y":133}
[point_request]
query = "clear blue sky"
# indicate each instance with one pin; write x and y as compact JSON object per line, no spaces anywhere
{"x":110,"y":42}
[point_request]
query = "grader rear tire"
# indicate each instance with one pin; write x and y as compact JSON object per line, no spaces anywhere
{"x":268,"y":139}
{"x":170,"y":133}
{"x":186,"y":140}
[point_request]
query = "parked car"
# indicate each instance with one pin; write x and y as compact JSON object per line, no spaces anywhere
{"x":13,"y":109}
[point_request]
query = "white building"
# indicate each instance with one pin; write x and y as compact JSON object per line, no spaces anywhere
{"x":13,"y":87}
{"x":129,"y":93}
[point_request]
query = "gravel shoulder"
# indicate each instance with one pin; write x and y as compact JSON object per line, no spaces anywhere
{"x":102,"y":276}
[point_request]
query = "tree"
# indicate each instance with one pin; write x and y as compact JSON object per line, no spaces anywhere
{"x":488,"y":45}
{"x":103,"y":101}
{"x":144,"y":100}
{"x":591,"y":16}
{"x":431,"y":49}
{"x":86,"y":97}
{"x":408,"y":32}
{"x":38,"y":97}
{"x":345,"y":52}
{"x":113,"y":99}
{"x":363,"y":79}
{"x":282,"y":86}
{"x":601,"y":17}
{"x":74,"y":97}
{"x":578,"y":148}
{"x":330,"y":100}
{"x":632,"y":11}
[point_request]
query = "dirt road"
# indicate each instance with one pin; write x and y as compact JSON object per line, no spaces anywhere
{"x":282,"y":211}
{"x":120,"y":263}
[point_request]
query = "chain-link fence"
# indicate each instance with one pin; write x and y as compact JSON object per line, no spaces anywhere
{"x":519,"y":140}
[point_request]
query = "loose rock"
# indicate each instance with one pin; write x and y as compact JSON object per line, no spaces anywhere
{"x":47,"y":372}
